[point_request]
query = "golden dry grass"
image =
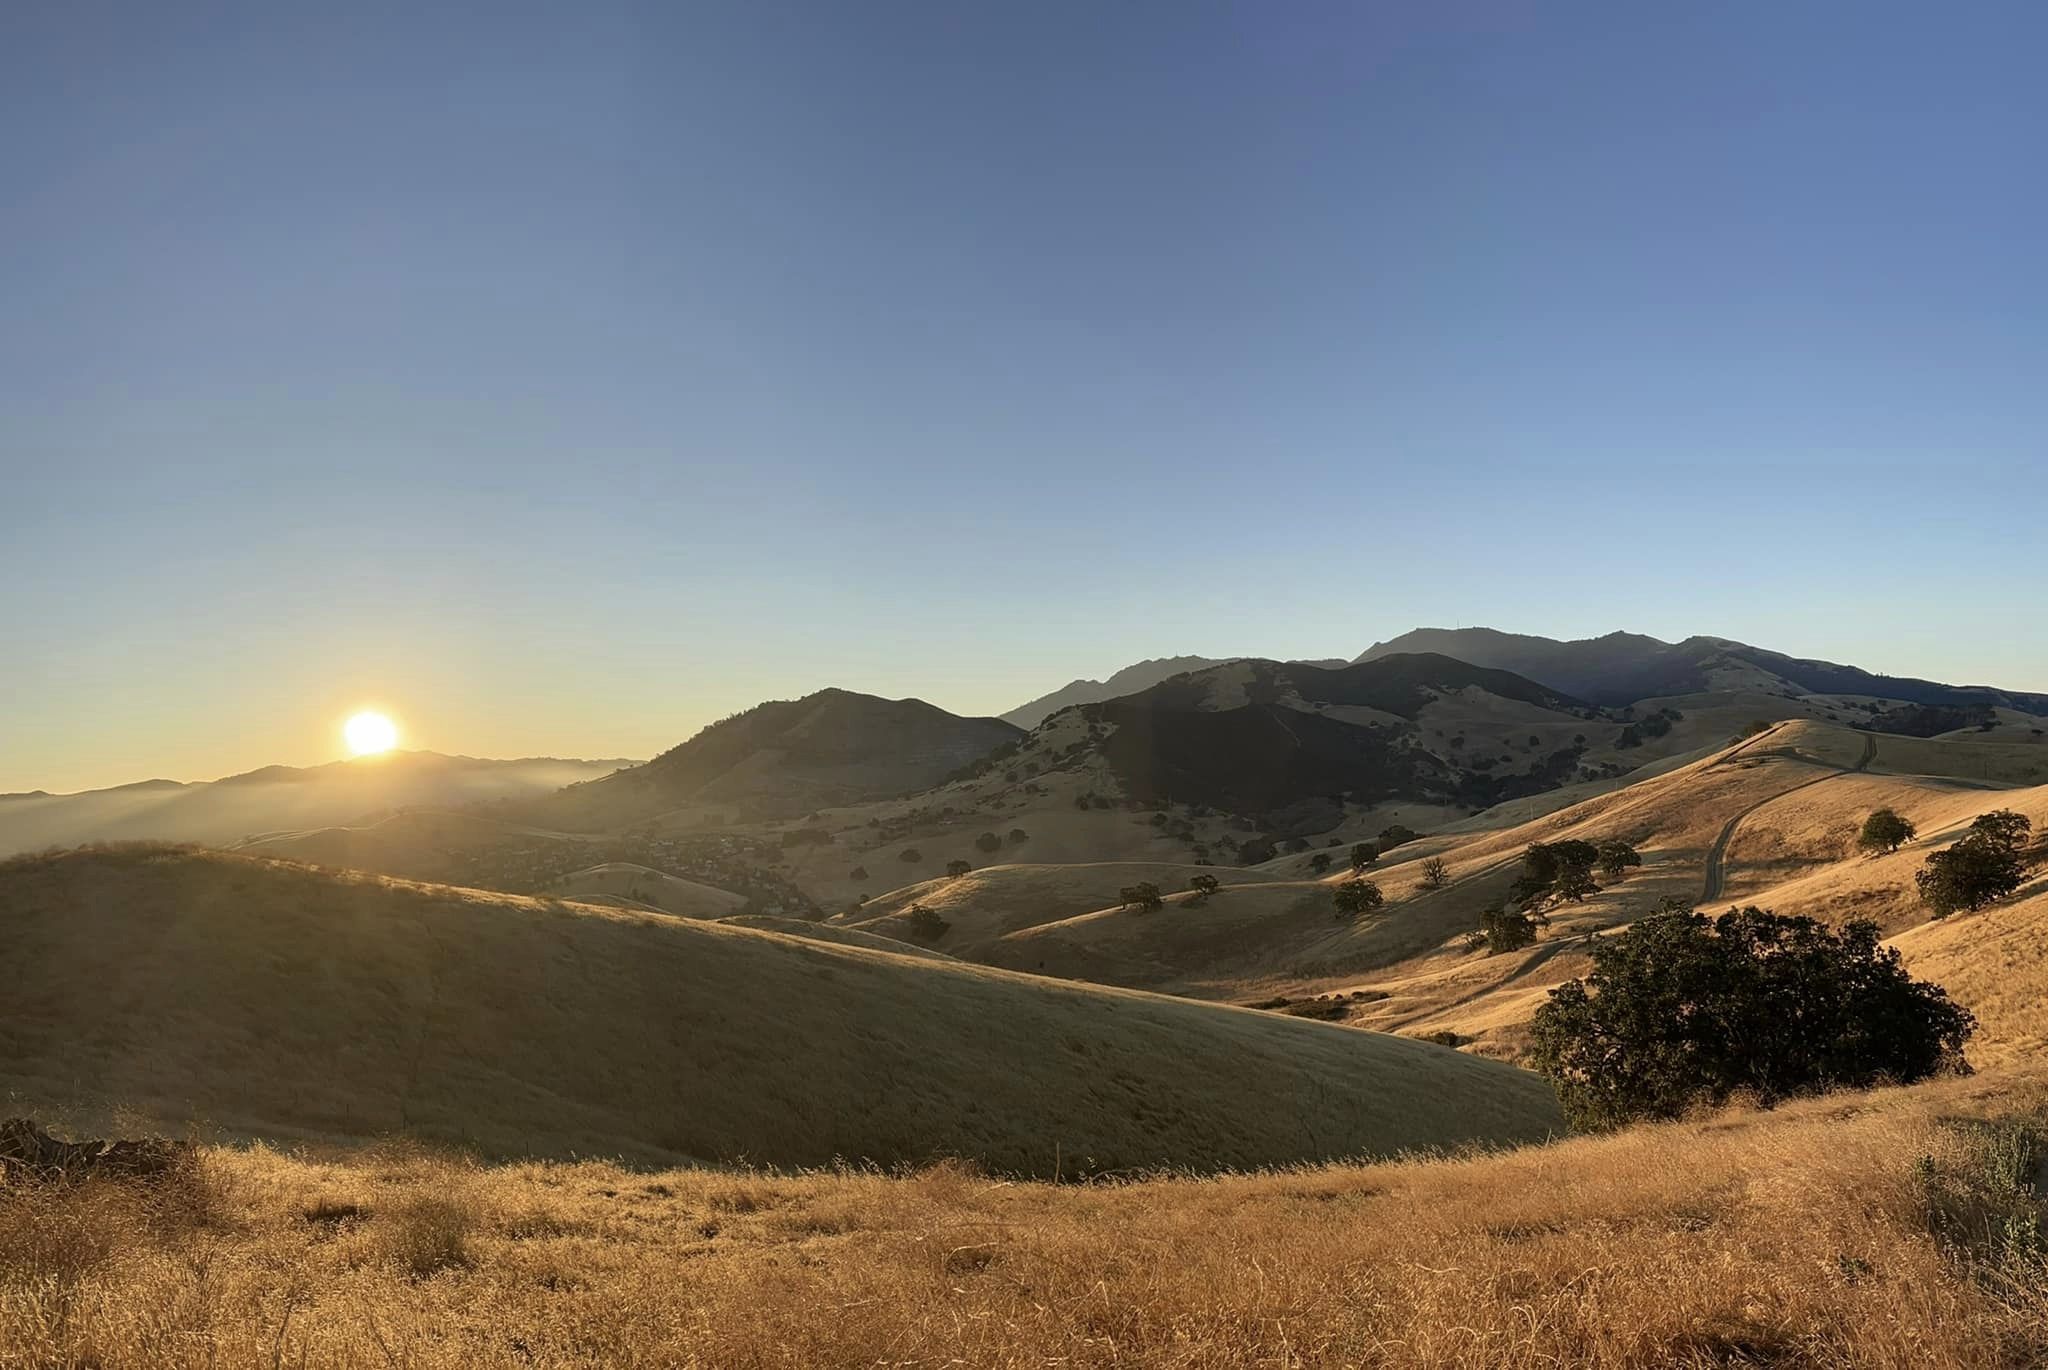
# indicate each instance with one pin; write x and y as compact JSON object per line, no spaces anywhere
{"x":987,"y":904}
{"x":1790,"y":802}
{"x":1994,"y":963}
{"x":829,"y":932}
{"x":655,"y":889}
{"x":1853,"y":1231}
{"x":273,"y":999}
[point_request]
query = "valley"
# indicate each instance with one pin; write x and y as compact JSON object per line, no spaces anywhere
{"x":764,"y":1008}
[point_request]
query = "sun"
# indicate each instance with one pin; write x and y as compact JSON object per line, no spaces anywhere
{"x":369,"y":733}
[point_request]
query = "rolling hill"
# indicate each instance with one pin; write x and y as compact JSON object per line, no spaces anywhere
{"x":1139,"y":676}
{"x":1625,"y":668}
{"x":275,"y":1000}
{"x":784,"y":758}
{"x":280,"y":798}
{"x":1770,"y":820}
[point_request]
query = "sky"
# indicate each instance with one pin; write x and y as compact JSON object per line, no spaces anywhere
{"x":561,"y":378}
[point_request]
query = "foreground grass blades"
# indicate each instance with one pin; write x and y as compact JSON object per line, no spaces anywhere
{"x":1897,"y":1228}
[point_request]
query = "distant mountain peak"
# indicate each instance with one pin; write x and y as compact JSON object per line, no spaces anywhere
{"x":1623,"y":667}
{"x":832,"y":746}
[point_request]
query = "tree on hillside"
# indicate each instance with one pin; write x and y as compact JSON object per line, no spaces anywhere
{"x":1509,"y":929}
{"x":1363,"y":855}
{"x":2003,"y":827}
{"x":857,"y":873}
{"x":910,"y":854}
{"x":1018,"y":835}
{"x":1319,"y":863}
{"x":1436,"y":873}
{"x":1394,"y":834}
{"x":1143,"y":896}
{"x":1355,"y":897}
{"x":1616,"y":857}
{"x":1682,"y":1010}
{"x":1986,"y":864}
{"x":987,"y":842}
{"x":1203,"y":886}
{"x":926,"y":923}
{"x":1884,"y":831}
{"x":1553,"y":872}
{"x":956,"y":869}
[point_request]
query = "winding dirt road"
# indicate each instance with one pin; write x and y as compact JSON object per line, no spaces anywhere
{"x":1717,"y":855}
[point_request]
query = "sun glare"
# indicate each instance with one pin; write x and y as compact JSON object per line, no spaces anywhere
{"x":370,"y":733}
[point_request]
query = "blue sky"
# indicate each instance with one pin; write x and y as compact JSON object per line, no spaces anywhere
{"x":564,"y":377}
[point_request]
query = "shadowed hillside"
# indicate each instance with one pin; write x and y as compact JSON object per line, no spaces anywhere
{"x":1622,"y":668}
{"x":782,"y":758}
{"x":273,"y":999}
{"x":1256,"y":736}
{"x":1129,"y":680}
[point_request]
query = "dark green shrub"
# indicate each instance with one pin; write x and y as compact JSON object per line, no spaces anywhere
{"x":1681,"y":1010}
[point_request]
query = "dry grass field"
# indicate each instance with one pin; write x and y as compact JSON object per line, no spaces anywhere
{"x":654,"y":889}
{"x":276,"y":1000}
{"x":1898,"y":1229}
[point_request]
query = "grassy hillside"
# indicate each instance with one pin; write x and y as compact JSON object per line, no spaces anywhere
{"x":277,"y":1000}
{"x":783,"y":758}
{"x":1880,"y":1230}
{"x":826,"y":932}
{"x":426,"y":844}
{"x":656,"y":890}
{"x":1771,"y":821}
{"x":1623,"y":668}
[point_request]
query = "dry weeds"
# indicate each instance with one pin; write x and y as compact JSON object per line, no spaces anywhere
{"x":1896,"y":1229}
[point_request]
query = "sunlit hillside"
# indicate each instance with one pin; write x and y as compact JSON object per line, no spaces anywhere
{"x":1770,"y":820}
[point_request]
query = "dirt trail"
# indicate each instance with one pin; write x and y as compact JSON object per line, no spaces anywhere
{"x":1717,"y":855}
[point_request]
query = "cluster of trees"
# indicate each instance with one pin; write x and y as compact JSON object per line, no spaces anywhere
{"x":1987,"y":863}
{"x":1143,"y":896}
{"x":1364,"y":854}
{"x":1146,"y":897}
{"x":1655,"y":725}
{"x":1552,"y":873}
{"x":1681,"y":1011}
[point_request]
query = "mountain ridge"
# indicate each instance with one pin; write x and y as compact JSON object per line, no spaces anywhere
{"x":785,"y":757}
